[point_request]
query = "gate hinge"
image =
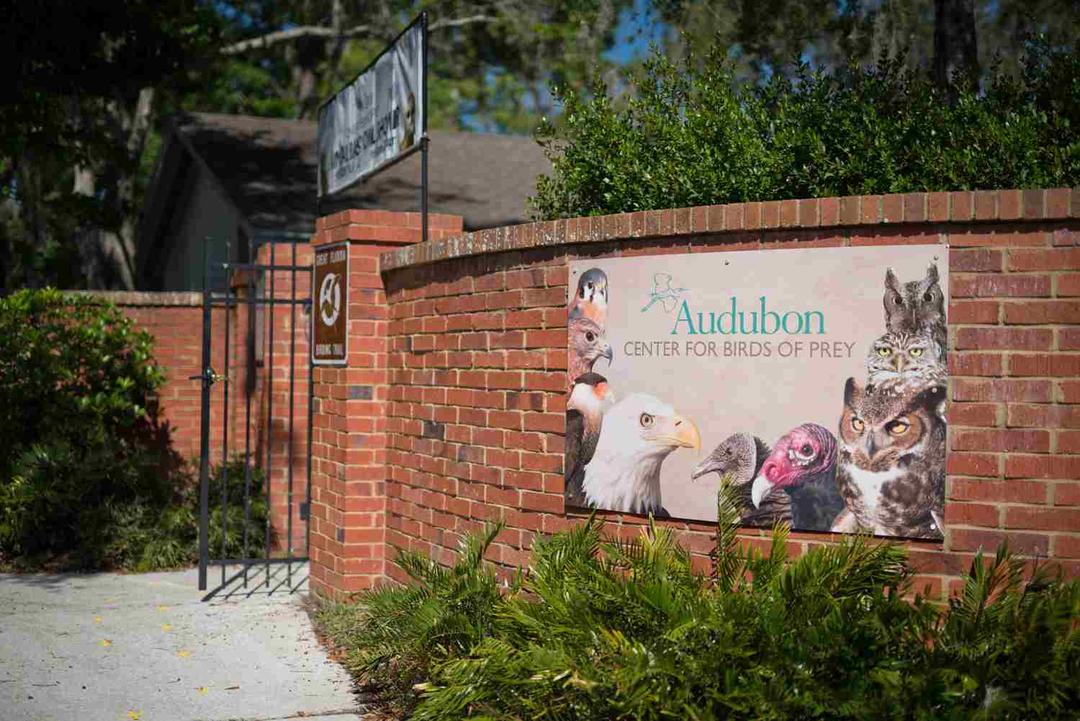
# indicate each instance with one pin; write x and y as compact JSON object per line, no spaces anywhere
{"x":305,"y":511}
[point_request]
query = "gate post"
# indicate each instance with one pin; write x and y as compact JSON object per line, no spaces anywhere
{"x":348,"y":548}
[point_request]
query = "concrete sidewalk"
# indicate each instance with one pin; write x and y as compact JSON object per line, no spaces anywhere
{"x":112,"y":647}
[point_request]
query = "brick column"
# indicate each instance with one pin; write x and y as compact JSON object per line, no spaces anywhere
{"x":349,"y":445}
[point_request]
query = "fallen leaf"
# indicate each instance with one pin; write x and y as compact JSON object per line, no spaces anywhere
{"x":163,"y":608}
{"x":203,"y":690}
{"x":97,"y":619}
{"x":183,"y":653}
{"x":106,"y":642}
{"x":166,"y":627}
{"x":134,"y":715}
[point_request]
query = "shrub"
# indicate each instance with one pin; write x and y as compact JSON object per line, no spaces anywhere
{"x":87,"y":475}
{"x":691,"y":135}
{"x":397,"y":634}
{"x":628,"y":630}
{"x":78,"y":439}
{"x":148,"y":538}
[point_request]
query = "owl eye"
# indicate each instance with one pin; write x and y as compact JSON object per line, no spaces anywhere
{"x":928,"y":296}
{"x":646,"y":420}
{"x":884,"y":352}
{"x":897,"y":299}
{"x":590,"y":336}
{"x":915,"y":352}
{"x":898,"y":427}
{"x":857,"y":425}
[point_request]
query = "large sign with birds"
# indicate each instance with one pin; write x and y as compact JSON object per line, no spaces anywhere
{"x":330,"y":296}
{"x":377,"y":118}
{"x":813,"y":379}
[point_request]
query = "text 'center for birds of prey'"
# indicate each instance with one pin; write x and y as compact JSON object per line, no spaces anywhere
{"x":813,"y":379}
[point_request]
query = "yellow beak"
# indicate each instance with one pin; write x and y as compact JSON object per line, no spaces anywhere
{"x":686,"y":434}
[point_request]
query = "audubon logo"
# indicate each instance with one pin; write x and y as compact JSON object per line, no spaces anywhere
{"x":663,"y":293}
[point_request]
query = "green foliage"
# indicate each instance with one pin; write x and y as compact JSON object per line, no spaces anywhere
{"x":629,"y":630}
{"x":149,"y":538}
{"x":87,"y":476}
{"x":397,"y":634}
{"x":693,"y":136}
{"x":78,"y":440}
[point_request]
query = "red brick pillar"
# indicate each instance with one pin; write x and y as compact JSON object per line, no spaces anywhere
{"x":349,"y":444}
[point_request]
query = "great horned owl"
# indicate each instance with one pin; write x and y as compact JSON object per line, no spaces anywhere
{"x":891,"y":469}
{"x":916,"y":306}
{"x":914,"y":359}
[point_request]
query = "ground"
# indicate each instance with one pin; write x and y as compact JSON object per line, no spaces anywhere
{"x":147,"y":647}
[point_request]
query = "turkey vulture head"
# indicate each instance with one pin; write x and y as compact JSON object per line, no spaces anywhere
{"x":798,"y":457}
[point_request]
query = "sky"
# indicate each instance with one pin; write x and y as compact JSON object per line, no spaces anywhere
{"x":638,"y":27}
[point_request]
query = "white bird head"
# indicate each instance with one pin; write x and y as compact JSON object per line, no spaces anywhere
{"x":638,"y":433}
{"x":591,"y":395}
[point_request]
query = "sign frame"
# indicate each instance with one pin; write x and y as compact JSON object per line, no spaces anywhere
{"x":317,"y":281}
{"x":421,"y":146}
{"x":738,"y":349}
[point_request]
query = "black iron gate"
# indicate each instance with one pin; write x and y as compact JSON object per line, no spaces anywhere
{"x":256,"y":413}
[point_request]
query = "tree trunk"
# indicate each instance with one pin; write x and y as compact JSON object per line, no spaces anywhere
{"x":113,"y":248}
{"x":955,"y":44}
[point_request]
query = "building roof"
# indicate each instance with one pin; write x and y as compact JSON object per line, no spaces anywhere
{"x":267,"y":167}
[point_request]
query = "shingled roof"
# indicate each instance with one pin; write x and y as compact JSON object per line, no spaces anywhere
{"x":267,"y":168}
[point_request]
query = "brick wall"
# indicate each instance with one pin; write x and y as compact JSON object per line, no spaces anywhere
{"x":472,"y":410}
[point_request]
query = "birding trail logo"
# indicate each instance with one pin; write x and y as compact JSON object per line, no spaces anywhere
{"x":330,"y":299}
{"x":663,"y":293}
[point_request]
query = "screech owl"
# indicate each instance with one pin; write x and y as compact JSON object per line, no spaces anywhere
{"x":916,"y":306}
{"x":891,"y":467}
{"x":911,"y":358}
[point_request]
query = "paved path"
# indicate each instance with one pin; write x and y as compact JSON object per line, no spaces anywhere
{"x":110,"y":647}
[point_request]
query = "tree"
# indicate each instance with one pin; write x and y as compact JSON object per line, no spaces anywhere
{"x":955,"y":46}
{"x":74,"y":124}
{"x":767,"y":36}
{"x":492,"y":63}
{"x":78,"y":131}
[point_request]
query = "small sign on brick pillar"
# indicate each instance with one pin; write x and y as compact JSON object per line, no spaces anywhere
{"x":348,"y":547}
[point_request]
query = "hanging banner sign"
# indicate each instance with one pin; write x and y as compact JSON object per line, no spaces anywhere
{"x":814,"y":379}
{"x":378,"y":118}
{"x":330,"y":314}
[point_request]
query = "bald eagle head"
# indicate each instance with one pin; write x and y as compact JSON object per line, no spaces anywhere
{"x":638,"y":433}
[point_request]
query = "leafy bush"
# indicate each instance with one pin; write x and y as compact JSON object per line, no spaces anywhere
{"x":691,"y":135}
{"x":397,"y":634}
{"x":628,"y":630}
{"x":148,"y":538}
{"x":87,"y":475}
